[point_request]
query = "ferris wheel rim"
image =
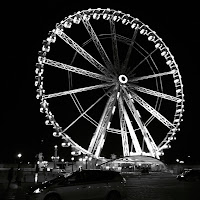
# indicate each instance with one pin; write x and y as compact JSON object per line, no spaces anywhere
{"x":159,"y":44}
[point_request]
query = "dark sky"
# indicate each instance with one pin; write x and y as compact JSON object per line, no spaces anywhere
{"x":24,"y":28}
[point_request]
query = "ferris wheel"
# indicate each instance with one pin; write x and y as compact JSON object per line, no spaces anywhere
{"x":114,"y":72}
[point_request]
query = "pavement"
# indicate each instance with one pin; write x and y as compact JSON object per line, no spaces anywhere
{"x":138,"y":187}
{"x":161,"y":188}
{"x":14,"y":192}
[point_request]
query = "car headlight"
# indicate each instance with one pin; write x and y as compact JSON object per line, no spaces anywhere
{"x":37,"y":191}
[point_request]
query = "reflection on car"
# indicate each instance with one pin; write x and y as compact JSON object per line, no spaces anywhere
{"x":189,"y":175}
{"x":85,"y":184}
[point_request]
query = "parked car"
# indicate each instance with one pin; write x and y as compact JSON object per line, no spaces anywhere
{"x":85,"y":184}
{"x":189,"y":175}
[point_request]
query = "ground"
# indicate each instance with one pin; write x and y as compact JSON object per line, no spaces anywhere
{"x":161,"y":188}
{"x":140,"y":187}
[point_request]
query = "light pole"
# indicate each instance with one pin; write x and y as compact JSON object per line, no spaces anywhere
{"x":72,"y":159}
{"x":86,"y":159}
{"x":63,"y":161}
{"x":55,"y":158}
{"x":19,"y":155}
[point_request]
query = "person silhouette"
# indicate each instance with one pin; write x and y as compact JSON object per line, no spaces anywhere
{"x":10,"y":176}
{"x":19,"y":177}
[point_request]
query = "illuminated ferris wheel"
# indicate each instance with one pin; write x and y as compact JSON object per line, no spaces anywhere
{"x":112,"y":71}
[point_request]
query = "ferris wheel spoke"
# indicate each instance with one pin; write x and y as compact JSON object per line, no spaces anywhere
{"x":97,"y":43}
{"x":85,"y":112}
{"x":81,"y":110}
{"x":144,"y":59}
{"x":136,"y":45}
{"x":138,"y":48}
{"x":151,"y":76}
{"x":155,"y":93}
{"x":142,"y":52}
{"x":130,"y":49}
{"x":76,"y":70}
{"x":150,"y":109}
{"x":82,"y":52}
{"x":114,"y":44}
{"x":77,"y":90}
{"x":98,"y":138}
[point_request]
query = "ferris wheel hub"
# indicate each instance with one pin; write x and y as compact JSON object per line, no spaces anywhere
{"x":123,"y":79}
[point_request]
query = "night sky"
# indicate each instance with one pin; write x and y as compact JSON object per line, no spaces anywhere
{"x":26,"y":25}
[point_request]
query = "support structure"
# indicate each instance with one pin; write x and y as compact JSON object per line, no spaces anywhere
{"x":125,"y":143}
{"x":99,"y":136}
{"x":152,"y":147}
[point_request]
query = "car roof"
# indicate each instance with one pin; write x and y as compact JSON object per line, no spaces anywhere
{"x":100,"y":170}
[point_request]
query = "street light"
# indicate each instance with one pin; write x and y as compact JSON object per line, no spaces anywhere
{"x":65,"y":143}
{"x":72,"y":159}
{"x":85,"y":159}
{"x":19,"y":155}
{"x":62,"y":160}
